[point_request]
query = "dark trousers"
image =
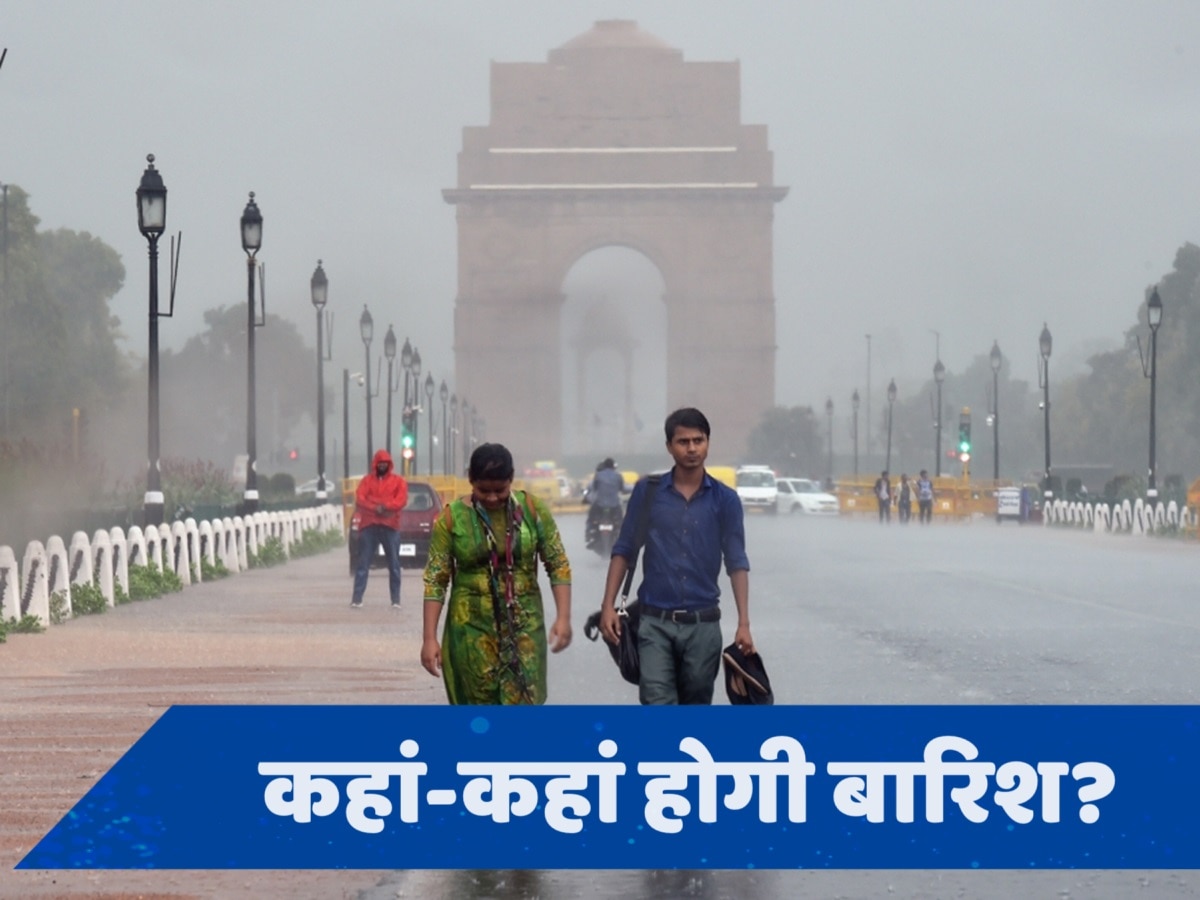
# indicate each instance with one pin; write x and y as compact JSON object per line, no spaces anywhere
{"x":369,"y":541}
{"x":905,"y":510}
{"x":925,"y":511}
{"x":885,"y":511}
{"x":679,"y":661}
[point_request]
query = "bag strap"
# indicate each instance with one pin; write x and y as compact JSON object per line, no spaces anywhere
{"x":640,"y":534}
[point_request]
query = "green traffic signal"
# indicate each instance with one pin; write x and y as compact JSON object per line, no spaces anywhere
{"x":406,"y":440}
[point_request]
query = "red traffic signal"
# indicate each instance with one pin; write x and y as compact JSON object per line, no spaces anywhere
{"x":293,"y":454}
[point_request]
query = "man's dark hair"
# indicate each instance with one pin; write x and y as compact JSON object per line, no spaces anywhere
{"x":490,"y":462}
{"x":688,"y":417}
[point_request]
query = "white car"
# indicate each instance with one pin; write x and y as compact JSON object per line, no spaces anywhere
{"x":800,"y":495}
{"x":756,"y":487}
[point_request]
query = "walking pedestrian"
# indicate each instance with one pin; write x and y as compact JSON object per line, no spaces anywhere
{"x":883,"y":494}
{"x":924,"y":498}
{"x":695,"y":522}
{"x":904,"y":499}
{"x":485,"y":549}
{"x":380,"y":497}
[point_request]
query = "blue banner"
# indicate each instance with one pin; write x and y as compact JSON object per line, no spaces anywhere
{"x":943,"y":787}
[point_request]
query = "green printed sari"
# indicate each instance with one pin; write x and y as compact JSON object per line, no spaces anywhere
{"x":494,"y":654}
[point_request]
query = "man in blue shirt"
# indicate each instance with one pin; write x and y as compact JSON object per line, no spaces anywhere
{"x":695,"y":522}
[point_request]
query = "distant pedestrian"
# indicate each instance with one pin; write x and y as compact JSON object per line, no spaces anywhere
{"x":904,"y":499}
{"x":883,"y":494}
{"x":924,"y":498}
{"x":380,"y":497}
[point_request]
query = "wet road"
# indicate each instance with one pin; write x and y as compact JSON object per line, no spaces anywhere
{"x":848,"y":611}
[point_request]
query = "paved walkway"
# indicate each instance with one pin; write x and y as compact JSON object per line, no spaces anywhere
{"x":75,"y":698}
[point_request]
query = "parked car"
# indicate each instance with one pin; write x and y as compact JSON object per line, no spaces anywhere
{"x":799,"y":495}
{"x":416,"y":522}
{"x":756,"y":487}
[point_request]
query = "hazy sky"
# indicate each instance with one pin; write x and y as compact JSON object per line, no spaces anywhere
{"x":970,"y":167}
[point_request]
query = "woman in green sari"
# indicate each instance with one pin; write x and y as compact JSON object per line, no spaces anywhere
{"x":485,"y":549}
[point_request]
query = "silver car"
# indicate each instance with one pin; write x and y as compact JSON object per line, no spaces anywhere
{"x":799,"y":495}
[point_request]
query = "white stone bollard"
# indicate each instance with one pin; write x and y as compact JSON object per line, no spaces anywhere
{"x":81,"y":559}
{"x":59,"y":572}
{"x":120,"y":549}
{"x":208,"y":540}
{"x":35,"y":600}
{"x":10,"y":584}
{"x":180,"y":557}
{"x":102,"y":557}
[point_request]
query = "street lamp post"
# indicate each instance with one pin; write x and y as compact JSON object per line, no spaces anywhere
{"x":939,"y":376}
{"x":415,"y":416}
{"x":444,"y":394}
{"x":454,"y":433}
{"x":868,"y":443}
{"x":995,"y":359}
{"x":389,"y":350}
{"x":854,"y":401}
{"x":320,"y":294}
{"x":429,"y":404}
{"x":152,"y":222}
{"x":1045,"y":345}
{"x":891,"y":397}
{"x":466,"y":432}
{"x":366,"y":326}
{"x":1154,"y":313}
{"x":829,"y":416}
{"x":251,"y":242}
{"x":345,"y":423}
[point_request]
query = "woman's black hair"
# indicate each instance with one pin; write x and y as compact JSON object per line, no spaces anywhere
{"x":490,"y":462}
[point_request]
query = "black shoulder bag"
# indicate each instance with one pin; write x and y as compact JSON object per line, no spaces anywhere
{"x":625,"y":652}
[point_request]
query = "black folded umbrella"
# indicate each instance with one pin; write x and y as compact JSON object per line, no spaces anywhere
{"x":746,"y":680}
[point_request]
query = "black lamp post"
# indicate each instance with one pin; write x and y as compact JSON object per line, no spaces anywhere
{"x":415,"y":418}
{"x":366,"y":327}
{"x":454,"y":433}
{"x":429,"y":405}
{"x":854,"y":401}
{"x":891,"y":395}
{"x":320,"y":294}
{"x":466,"y":432}
{"x":251,"y":242}
{"x":1154,"y":313}
{"x":345,"y":423}
{"x":829,"y":416}
{"x":939,"y":376}
{"x":444,"y":394}
{"x":389,"y":350}
{"x":995,"y":359}
{"x":152,"y":222}
{"x":1045,"y":345}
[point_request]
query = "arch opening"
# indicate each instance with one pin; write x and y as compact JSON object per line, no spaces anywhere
{"x":613,"y":338}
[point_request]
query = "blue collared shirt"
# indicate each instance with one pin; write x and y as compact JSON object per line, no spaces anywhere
{"x":686,"y":542}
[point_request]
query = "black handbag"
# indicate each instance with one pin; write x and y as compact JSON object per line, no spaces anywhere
{"x":625,"y":651}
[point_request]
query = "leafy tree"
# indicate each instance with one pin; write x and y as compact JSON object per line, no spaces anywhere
{"x":203,"y":388}
{"x":789,"y":441}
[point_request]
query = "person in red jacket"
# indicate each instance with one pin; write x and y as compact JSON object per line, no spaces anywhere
{"x":380,"y":496}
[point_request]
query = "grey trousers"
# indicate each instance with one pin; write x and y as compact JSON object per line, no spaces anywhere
{"x":679,"y":661}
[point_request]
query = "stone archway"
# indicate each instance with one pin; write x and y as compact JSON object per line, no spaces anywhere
{"x":613,"y":355}
{"x":615,"y":140}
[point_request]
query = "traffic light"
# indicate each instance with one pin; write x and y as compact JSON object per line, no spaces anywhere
{"x":406,"y":440}
{"x":964,"y":434}
{"x":294,"y":454}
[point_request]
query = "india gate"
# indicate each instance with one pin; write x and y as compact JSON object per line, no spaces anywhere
{"x":614,"y":142}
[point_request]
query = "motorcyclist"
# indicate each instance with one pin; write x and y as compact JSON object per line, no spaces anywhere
{"x":604,"y":497}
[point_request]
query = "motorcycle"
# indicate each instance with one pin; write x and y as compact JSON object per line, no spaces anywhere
{"x":603,"y":526}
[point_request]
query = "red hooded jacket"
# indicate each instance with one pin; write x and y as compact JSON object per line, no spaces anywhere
{"x":389,"y":492}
